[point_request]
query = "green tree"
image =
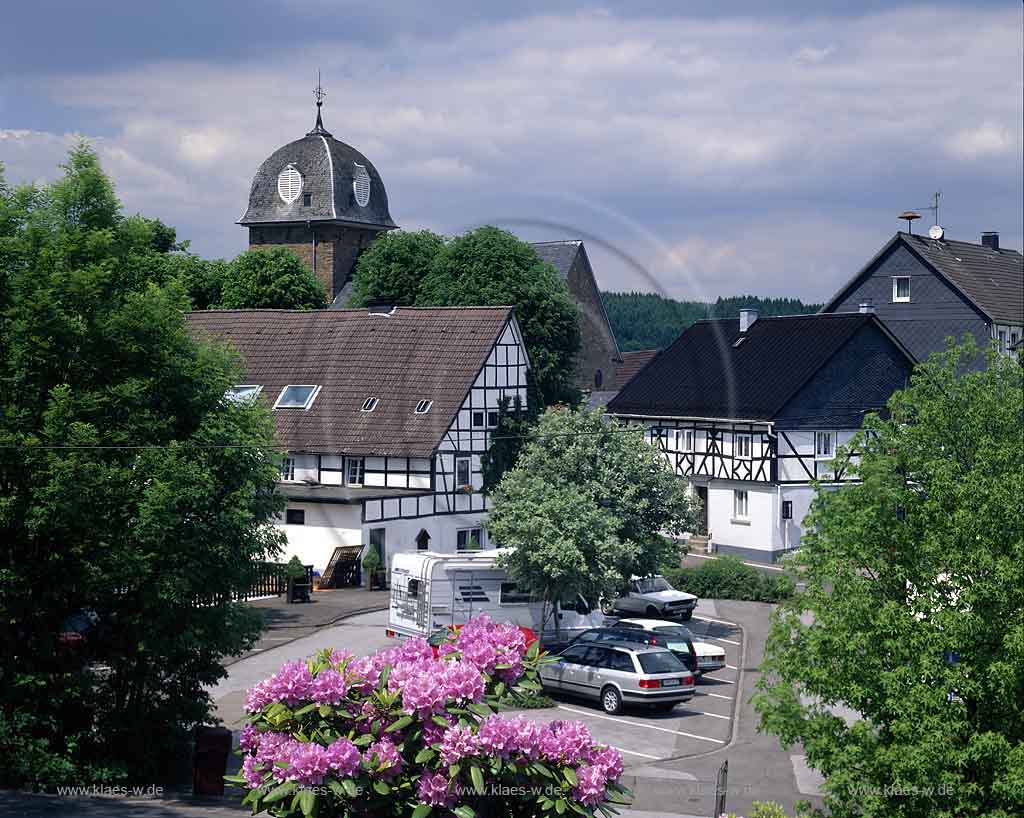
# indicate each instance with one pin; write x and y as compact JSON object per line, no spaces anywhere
{"x":134,"y":500}
{"x":393,"y":267}
{"x":514,"y":424}
{"x":274,"y":278}
{"x":486,"y":266}
{"x":913,"y":613}
{"x":491,"y":266}
{"x":586,"y":507}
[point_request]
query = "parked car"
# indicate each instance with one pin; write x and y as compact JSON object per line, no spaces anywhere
{"x":685,"y":650}
{"x":655,"y":596}
{"x":709,"y":657}
{"x":616,"y":674}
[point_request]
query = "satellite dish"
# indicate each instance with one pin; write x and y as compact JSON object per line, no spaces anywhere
{"x":936,"y":232}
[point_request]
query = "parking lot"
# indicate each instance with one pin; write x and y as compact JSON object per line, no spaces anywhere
{"x":700,"y":725}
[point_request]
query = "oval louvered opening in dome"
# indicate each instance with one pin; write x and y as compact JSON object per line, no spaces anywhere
{"x":361,"y":185}
{"x":289,"y":184}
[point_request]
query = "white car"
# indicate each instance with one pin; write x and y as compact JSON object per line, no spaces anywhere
{"x":709,"y":657}
{"x":654,"y":596}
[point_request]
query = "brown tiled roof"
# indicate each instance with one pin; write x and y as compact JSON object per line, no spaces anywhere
{"x":413,"y":354}
{"x":633,"y":362}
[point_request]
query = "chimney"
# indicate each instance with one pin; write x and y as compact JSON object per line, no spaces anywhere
{"x":990,"y":239}
{"x":867,"y":308}
{"x":748,"y":316}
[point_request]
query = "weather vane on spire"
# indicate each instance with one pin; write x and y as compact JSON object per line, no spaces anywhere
{"x":319,"y":93}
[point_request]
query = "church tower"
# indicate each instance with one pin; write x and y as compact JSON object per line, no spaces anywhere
{"x":321,"y":199}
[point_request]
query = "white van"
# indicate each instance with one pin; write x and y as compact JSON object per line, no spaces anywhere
{"x":431,"y":591}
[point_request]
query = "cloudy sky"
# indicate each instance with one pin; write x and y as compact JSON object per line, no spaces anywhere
{"x":766,"y":149}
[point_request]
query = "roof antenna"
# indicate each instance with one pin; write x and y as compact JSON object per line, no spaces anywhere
{"x":319,"y":93}
{"x":934,"y":208}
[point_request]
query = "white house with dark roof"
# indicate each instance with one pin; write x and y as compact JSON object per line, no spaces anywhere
{"x":928,"y":289}
{"x":750,"y":413}
{"x":384,"y":414}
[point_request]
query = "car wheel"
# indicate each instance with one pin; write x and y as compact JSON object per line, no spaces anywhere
{"x":652,"y":612}
{"x":607,"y":607}
{"x":611,"y":700}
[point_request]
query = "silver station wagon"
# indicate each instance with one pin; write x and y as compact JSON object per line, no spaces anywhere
{"x":617,"y":674}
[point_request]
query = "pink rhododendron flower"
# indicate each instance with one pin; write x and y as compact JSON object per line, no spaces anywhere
{"x":343,"y":757}
{"x":590,"y":788}
{"x":458,"y":743}
{"x":328,"y":687}
{"x":384,"y":755}
{"x":433,"y":789}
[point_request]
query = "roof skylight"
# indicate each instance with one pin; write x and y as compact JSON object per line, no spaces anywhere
{"x":297,"y":396}
{"x":369,"y":404}
{"x":243,"y":392}
{"x":423,"y":407}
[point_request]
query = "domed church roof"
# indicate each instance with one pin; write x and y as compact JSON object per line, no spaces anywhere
{"x":318,"y":179}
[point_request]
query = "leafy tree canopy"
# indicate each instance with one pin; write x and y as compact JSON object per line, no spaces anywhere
{"x":272,"y":278}
{"x":126,"y":499}
{"x":393,"y":268}
{"x":913,"y":613}
{"x":651,"y":321}
{"x":486,"y":266}
{"x":586,"y":506}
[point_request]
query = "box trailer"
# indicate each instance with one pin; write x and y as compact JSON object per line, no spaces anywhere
{"x":431,"y":591}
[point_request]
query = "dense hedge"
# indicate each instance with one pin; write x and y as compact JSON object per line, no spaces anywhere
{"x":730,"y":578}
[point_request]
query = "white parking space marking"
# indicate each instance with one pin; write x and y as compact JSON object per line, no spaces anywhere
{"x":634,"y":724}
{"x":727,"y":641}
{"x":731,"y":667}
{"x":719,"y":621}
{"x":714,"y":695}
{"x":703,"y":713}
{"x":726,"y":681}
{"x":634,"y":753}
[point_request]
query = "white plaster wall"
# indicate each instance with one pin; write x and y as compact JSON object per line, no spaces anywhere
{"x":401,"y":535}
{"x":327,"y":526}
{"x":759,"y":532}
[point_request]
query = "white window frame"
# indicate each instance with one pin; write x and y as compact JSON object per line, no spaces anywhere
{"x":466,"y":531}
{"x":740,"y":504}
{"x":359,"y":464}
{"x":831,"y":438}
{"x":369,"y":404}
{"x":1001,"y":336}
{"x":743,"y":441}
{"x":896,"y":297}
{"x":423,"y":407}
{"x":309,"y":400}
{"x":288,"y":469}
{"x":689,"y":440}
{"x":469,"y":471}
{"x":483,"y":418}
{"x":248,"y":396}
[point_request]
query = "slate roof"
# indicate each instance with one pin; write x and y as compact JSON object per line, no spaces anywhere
{"x":633,"y":362}
{"x":412,"y":355}
{"x":328,"y":167}
{"x":703,"y":375}
{"x":559,"y":254}
{"x":992,"y":279}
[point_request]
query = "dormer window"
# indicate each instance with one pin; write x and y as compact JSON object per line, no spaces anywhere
{"x":369,"y":404}
{"x":423,"y":407}
{"x":243,"y":392}
{"x":307,"y":199}
{"x":297,"y":396}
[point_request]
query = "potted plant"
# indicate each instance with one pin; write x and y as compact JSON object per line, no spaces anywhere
{"x":371,"y":566}
{"x":298,"y":581}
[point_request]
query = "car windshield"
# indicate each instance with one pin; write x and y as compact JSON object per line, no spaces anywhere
{"x":660,"y":662}
{"x":652,"y":584}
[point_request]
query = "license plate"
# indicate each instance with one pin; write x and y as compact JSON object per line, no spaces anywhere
{"x":670,"y":682}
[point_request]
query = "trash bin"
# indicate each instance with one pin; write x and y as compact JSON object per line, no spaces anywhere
{"x":211,"y":760}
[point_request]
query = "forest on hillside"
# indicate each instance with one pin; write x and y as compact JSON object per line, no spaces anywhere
{"x":651,"y":321}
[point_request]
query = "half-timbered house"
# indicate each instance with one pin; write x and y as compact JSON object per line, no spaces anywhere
{"x":751,"y":411}
{"x":383,"y":413}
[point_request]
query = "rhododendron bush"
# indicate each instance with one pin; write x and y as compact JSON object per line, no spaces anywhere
{"x":408,"y":733}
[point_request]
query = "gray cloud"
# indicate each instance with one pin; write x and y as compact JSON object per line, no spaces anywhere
{"x":722,"y":154}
